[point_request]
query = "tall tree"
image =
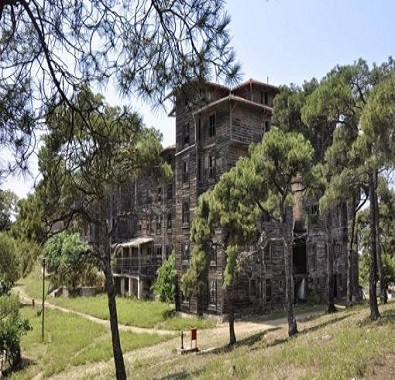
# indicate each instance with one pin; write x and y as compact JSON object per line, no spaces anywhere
{"x":260,"y":184}
{"x":338,"y":103}
{"x":49,"y":49}
{"x":378,"y":126}
{"x":28,"y":224}
{"x":105,"y":147}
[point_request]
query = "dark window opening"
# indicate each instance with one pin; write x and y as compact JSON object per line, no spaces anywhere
{"x":185,"y":252}
{"x":169,"y":191}
{"x":159,"y":194}
{"x":169,"y":220}
{"x":185,"y":213}
{"x":268,"y":290}
{"x":185,"y":171}
{"x":213,"y":293}
{"x":212,"y":125}
{"x":213,"y":255}
{"x":186,"y":138}
{"x":299,"y":259}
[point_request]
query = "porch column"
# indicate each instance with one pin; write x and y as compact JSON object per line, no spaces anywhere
{"x":130,"y":292}
{"x":122,"y":286}
{"x":139,"y":288}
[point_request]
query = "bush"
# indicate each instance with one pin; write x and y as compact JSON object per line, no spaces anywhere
{"x":12,"y":327}
{"x":165,"y":284}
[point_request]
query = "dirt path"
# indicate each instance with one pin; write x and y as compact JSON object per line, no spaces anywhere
{"x":207,"y":340}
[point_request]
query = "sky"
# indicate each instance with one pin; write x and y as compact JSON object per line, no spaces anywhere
{"x":290,"y":41}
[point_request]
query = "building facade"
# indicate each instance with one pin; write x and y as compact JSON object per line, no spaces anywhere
{"x":215,"y":125}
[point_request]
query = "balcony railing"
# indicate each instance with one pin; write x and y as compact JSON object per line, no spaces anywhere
{"x":129,"y":266}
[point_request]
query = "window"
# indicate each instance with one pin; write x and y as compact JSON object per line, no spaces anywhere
{"x":158,"y":223}
{"x":213,"y":255}
{"x":185,"y":213}
{"x":268,"y":254}
{"x":185,"y":252}
{"x":159,"y":194}
{"x":170,"y":191}
{"x":185,"y":171}
{"x":184,"y":299}
{"x":211,"y":166}
{"x":212,"y":125}
{"x":199,"y":129}
{"x":149,"y":196}
{"x":186,"y":136}
{"x":264,"y":97}
{"x":315,"y":209}
{"x":169,"y":220}
{"x":268,"y":290}
{"x":213,"y":293}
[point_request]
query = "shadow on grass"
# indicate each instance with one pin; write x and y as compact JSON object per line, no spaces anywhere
{"x":26,"y":363}
{"x":387,"y":317}
{"x":168,"y":314}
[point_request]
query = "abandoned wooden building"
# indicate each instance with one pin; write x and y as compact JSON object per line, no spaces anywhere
{"x":214,"y":127}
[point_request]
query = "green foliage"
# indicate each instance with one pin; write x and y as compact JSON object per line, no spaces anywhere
{"x":378,"y":120}
{"x":8,"y":201}
{"x":9,"y":262}
{"x":165,"y":283}
{"x":12,"y":327}
{"x":68,"y":262}
{"x":232,"y":267}
{"x":28,"y":252}
{"x":28,"y":224}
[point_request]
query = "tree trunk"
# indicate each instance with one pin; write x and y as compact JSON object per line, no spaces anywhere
{"x":383,"y":285}
{"x":374,"y":310}
{"x":232,"y":334}
{"x":330,"y":308}
{"x":289,"y":286}
{"x":351,"y":206}
{"x":112,"y":307}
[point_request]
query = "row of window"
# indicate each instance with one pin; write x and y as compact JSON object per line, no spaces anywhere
{"x":149,"y":194}
{"x":206,"y":168}
{"x":151,"y":224}
{"x":186,"y":253}
{"x":209,"y":131}
{"x":261,"y":288}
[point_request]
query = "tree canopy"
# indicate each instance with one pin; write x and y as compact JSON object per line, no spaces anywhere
{"x":51,"y":49}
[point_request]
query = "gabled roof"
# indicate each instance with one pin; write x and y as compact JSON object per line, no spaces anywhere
{"x":251,"y":82}
{"x":237,"y":99}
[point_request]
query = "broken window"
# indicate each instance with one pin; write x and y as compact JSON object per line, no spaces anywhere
{"x":213,"y":293}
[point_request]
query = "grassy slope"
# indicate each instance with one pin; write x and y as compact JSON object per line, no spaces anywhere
{"x":343,"y":345}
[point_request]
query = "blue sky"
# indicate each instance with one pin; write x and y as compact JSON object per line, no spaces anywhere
{"x":290,"y":41}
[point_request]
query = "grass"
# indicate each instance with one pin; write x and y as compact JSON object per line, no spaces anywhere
{"x":131,"y":312}
{"x":343,"y":345}
{"x":70,"y":341}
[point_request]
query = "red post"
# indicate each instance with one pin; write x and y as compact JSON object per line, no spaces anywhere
{"x":194,"y":337}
